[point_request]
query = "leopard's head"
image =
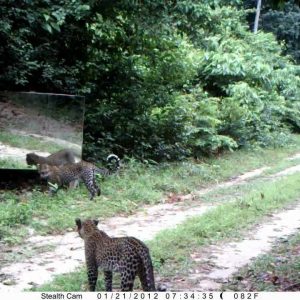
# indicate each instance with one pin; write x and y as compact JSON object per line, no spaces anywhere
{"x":44,"y":171}
{"x":31,"y":158}
{"x":86,"y":227}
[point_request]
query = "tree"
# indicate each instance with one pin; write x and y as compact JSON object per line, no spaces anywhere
{"x":163,"y":79}
{"x":285,"y":24}
{"x":257,"y":16}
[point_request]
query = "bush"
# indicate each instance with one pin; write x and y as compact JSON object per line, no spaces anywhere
{"x":163,"y":80}
{"x":285,"y":24}
{"x":14,"y":213}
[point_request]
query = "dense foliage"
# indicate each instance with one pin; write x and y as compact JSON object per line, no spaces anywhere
{"x":163,"y":79}
{"x":281,"y":17}
{"x":285,"y":24}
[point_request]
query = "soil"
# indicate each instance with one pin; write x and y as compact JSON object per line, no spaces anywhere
{"x":67,"y":250}
{"x":216,"y":264}
{"x":17,"y":117}
{"x":9,"y":152}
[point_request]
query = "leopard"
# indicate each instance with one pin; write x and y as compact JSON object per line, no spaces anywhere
{"x":85,"y":171}
{"x":125,"y":255}
{"x":62,"y":157}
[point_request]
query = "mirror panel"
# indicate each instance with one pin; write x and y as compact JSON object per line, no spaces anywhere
{"x":39,"y":123}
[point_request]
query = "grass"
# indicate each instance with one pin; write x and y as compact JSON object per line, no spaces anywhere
{"x":171,"y":249}
{"x":12,"y":164}
{"x":75,"y":281}
{"x":28,"y":142}
{"x":284,"y":164}
{"x":275,"y":271}
{"x":125,"y":193}
{"x":226,"y":221}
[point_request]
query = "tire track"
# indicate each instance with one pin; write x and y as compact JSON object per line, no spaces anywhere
{"x":68,"y":248}
{"x":224,"y":260}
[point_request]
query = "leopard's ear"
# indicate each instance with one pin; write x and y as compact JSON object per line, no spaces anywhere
{"x":96,"y":222}
{"x":78,"y":223}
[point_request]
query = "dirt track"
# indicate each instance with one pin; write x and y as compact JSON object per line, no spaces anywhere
{"x":216,"y":264}
{"x":67,"y":250}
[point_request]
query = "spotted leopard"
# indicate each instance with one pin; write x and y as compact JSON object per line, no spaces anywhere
{"x":85,"y":171}
{"x":58,"y":158}
{"x":126,"y":255}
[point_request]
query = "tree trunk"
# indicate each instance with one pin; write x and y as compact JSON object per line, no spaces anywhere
{"x":257,"y":16}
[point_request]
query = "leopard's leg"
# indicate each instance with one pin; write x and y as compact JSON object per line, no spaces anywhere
{"x":143,"y":278}
{"x":92,"y":273}
{"x":98,"y":190}
{"x":108,"y":276}
{"x":128,"y":275}
{"x":73,"y":184}
{"x":127,"y":281}
{"x":88,"y":181}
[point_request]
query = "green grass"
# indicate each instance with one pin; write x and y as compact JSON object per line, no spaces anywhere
{"x":284,"y":164}
{"x":275,"y":271}
{"x":75,"y":281}
{"x":229,"y":220}
{"x":28,"y":142}
{"x":140,"y":184}
{"x":171,"y":248}
{"x":12,"y":164}
{"x":137,"y":185}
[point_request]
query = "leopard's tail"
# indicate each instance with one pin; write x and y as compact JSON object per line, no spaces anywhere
{"x":113,"y":159}
{"x":146,"y":274}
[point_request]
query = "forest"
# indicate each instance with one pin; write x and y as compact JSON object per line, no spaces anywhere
{"x":163,"y":80}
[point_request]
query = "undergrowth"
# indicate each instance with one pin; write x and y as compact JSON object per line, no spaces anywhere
{"x":136,"y":185}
